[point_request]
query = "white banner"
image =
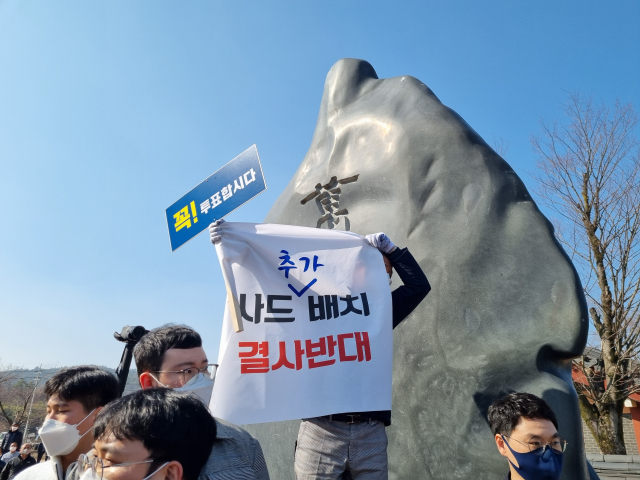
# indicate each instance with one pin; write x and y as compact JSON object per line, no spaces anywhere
{"x":316,"y":312}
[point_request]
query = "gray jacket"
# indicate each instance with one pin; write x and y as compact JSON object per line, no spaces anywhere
{"x":235,"y":455}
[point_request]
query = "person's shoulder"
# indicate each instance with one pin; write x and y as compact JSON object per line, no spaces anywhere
{"x":231,"y":431}
{"x":39,"y":471}
{"x":232,"y":455}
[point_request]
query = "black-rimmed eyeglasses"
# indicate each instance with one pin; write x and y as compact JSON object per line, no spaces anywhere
{"x":558,"y":445}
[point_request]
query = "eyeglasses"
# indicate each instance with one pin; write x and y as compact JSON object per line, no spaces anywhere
{"x":93,"y":463}
{"x":558,"y":445}
{"x":189,"y":374}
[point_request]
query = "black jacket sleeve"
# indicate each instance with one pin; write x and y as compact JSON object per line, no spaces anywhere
{"x":416,"y":286}
{"x":4,"y":475}
{"x":40,"y":452}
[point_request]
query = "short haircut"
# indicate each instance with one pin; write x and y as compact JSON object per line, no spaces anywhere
{"x":87,"y":384}
{"x":14,"y":443}
{"x":150,"y":350}
{"x":15,"y":424}
{"x":25,"y":444}
{"x":171,"y":425}
{"x":504,"y":414}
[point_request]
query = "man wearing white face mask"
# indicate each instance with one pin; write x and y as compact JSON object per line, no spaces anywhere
{"x":75,"y":396}
{"x":172,"y":357}
{"x":12,"y":453}
{"x":18,"y":464}
{"x":14,"y":436}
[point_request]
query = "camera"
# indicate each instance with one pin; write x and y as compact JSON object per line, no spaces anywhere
{"x":130,"y":334}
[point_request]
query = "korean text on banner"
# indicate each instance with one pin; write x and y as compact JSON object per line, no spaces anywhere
{"x":317,"y":339}
{"x":227,"y":189}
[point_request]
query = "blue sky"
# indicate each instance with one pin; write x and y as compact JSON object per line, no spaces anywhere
{"x":112,"y":110}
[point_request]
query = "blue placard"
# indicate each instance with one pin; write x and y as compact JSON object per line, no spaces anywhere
{"x":230,"y":187}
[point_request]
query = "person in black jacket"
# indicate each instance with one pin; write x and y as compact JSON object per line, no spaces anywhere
{"x":18,"y":464}
{"x":15,"y":435}
{"x":41,"y":452}
{"x":354,"y":445}
{"x":526,"y":434}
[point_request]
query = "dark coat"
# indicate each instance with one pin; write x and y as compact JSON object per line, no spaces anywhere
{"x":9,"y":439}
{"x":41,"y":451}
{"x":15,"y":466}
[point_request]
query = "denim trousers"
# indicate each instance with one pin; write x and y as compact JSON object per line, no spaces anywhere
{"x":332,"y":450}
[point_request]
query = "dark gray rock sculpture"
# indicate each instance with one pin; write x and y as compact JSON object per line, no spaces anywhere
{"x":506,"y":312}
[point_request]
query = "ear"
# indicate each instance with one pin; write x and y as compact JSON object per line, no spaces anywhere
{"x":93,"y":416}
{"x":174,"y":471}
{"x":505,"y":451}
{"x":502,"y":448}
{"x":147,"y":381}
{"x":95,"y":413}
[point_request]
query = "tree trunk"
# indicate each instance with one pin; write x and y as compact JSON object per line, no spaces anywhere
{"x":605,"y":424}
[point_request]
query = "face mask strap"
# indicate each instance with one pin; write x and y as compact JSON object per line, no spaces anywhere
{"x":508,"y":446}
{"x":512,"y":452}
{"x":84,"y":432}
{"x":159,"y":382}
{"x":85,"y":417}
{"x":156,"y":470}
{"x":77,"y":424}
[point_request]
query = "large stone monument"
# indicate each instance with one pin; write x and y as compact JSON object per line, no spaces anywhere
{"x":506,"y":312}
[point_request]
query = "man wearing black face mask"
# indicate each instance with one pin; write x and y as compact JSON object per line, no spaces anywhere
{"x":526,"y":433}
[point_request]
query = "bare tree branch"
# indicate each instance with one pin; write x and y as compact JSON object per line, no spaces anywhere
{"x":589,"y":174}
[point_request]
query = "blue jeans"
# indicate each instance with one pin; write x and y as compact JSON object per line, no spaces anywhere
{"x":332,"y":450}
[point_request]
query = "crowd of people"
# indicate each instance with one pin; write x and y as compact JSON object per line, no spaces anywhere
{"x":165,"y":430}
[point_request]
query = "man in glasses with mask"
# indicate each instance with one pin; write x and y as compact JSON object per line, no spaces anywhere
{"x":526,"y":433}
{"x":172,"y":357}
{"x":157,"y":434}
{"x":75,"y":395}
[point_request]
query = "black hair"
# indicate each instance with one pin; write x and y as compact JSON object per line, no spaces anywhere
{"x":87,"y":384}
{"x":171,"y":425}
{"x":150,"y":350}
{"x":504,"y":414}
